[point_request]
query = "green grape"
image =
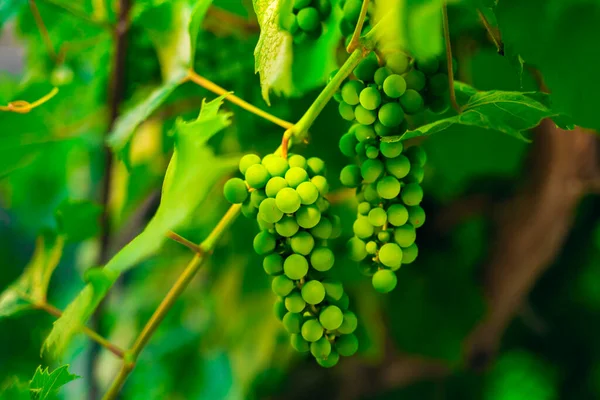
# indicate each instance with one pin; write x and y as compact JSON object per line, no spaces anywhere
{"x":394,"y":86}
{"x":428,"y":66}
{"x":346,"y":111}
{"x":399,"y":166}
{"x":323,"y":229}
{"x":321,"y":183}
{"x":321,"y":348}
{"x":282,"y":285}
{"x":391,"y":115}
{"x":331,"y":361}
{"x":364,"y":116}
{"x":301,"y":36}
{"x":322,"y":204}
{"x":410,"y":253}
{"x":351,"y":176}
{"x":248,"y":210}
{"x":415,"y":175}
{"x":295,"y":176}
{"x":279,"y":309}
{"x":371,"y":170}
{"x":382,"y":130}
{"x":365,"y":70}
{"x":351,"y":11}
{"x":296,"y":160}
{"x":273,"y":264}
{"x":235,"y":191}
{"x":388,"y":187}
{"x":412,"y":194}
{"x":274,"y":185}
{"x":361,"y":149}
{"x":324,"y":7}
{"x":356,"y":249}
{"x":405,"y":235}
{"x":264,"y":243}
{"x":276,"y":166}
{"x":383,"y":236}
{"x":257,"y":176}
{"x":295,"y":266}
{"x":298,"y":343}
{"x":391,"y":150}
{"x":322,"y":259}
{"x":289,"y":23}
{"x":302,"y":243}
{"x":348,"y":142}
{"x":331,"y":317}
{"x":300,"y":4}
{"x":346,"y":345}
{"x":264,"y":225}
{"x":415,"y":80}
{"x":371,"y":247}
{"x":368,"y":269}
{"x":390,"y":255}
{"x":312,"y":330}
{"x":381,"y":74}
{"x":416,"y":155}
{"x":334,"y":289}
{"x":336,"y":230}
{"x":287,"y":226}
{"x":288,"y":200}
{"x":377,"y":217}
{"x":411,"y":101}
{"x":362,"y":228}
{"x":316,"y":166}
{"x":370,"y":98}
{"x":364,"y":132}
{"x":247,"y":161}
{"x":384,"y":281}
{"x":349,"y":323}
{"x":343,"y":303}
{"x":397,"y":214}
{"x":350,"y":92}
{"x":416,"y":216}
{"x":308,"y":216}
{"x":256,"y":197}
{"x":269,"y":211}
{"x":372,"y":152}
{"x":397,"y":62}
{"x":292,"y":322}
{"x":438,"y":84}
{"x":308,"y":19}
{"x":313,"y":292}
{"x":364,"y":208}
{"x":308,"y":193}
{"x":371,"y":194}
{"x":295,"y":303}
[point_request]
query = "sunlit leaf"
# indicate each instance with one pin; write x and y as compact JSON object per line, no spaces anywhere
{"x":45,"y":385}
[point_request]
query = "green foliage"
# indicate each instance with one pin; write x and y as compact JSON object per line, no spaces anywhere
{"x":78,"y":220}
{"x":8,"y":9}
{"x":45,"y":385}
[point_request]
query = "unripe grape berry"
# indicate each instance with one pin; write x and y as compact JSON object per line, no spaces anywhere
{"x":308,"y":216}
{"x":364,"y":208}
{"x":391,"y":150}
{"x":295,"y":266}
{"x":298,"y":343}
{"x":416,"y":155}
{"x":264,"y":225}
{"x":289,"y":23}
{"x":302,"y":243}
{"x":296,"y":160}
{"x":324,"y":7}
{"x":334,"y":289}
{"x":349,"y":323}
{"x":331,"y":317}
{"x":256,"y":197}
{"x":279,"y":309}
{"x":371,"y":170}
{"x":384,"y":281}
{"x":308,"y":19}
{"x":394,"y":86}
{"x":411,"y":101}
{"x":397,"y":214}
{"x":282,"y":285}
{"x":288,"y":200}
{"x":308,"y":192}
{"x":377,"y":217}
{"x":292,"y":322}
{"x":415,"y":80}
{"x":269,"y":211}
{"x":322,"y":259}
{"x":348,"y":142}
{"x":312,"y":330}
{"x":388,"y":187}
{"x":316,"y":166}
{"x":287,"y":226}
{"x":370,"y":193}
{"x":235,"y":191}
{"x":390,"y":255}
{"x":371,"y":247}
{"x":416,"y":216}
{"x":313,"y":292}
{"x":368,"y":269}
{"x":370,"y":98}
{"x":343,"y":303}
{"x":276,"y":166}
{"x":264,"y":243}
{"x":274,"y":185}
{"x":294,"y":302}
{"x":351,"y":92}
{"x":247,"y":161}
{"x":383,"y":236}
{"x":295,"y":176}
{"x":391,"y":115}
{"x":405,"y":235}
{"x":415,"y":175}
{"x":351,"y":11}
{"x":412,"y":194}
{"x":365,"y":70}
{"x":410,"y":253}
{"x":300,"y":36}
{"x":323,"y":230}
{"x":248,"y":210}
{"x":273,"y":264}
{"x":364,"y":116}
{"x":429,"y":66}
{"x":381,"y":74}
{"x":372,"y":152}
{"x":346,"y":345}
{"x":356,"y":249}
{"x":351,"y":176}
{"x":397,"y":62}
{"x":398,"y":166}
{"x":362,"y":228}
{"x":257,"y":176}
{"x":321,"y":348}
{"x":300,"y":4}
{"x":322,"y":204}
{"x":346,"y":111}
{"x":364,"y":132}
{"x":382,"y":130}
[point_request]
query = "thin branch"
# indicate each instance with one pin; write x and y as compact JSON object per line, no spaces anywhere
{"x":180,"y":239}
{"x":42,"y":28}
{"x":492,"y":32}
{"x":449,"y":58}
{"x":355,"y":40}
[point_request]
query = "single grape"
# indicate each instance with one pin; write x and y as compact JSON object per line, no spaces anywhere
{"x":381,"y":74}
{"x":343,"y":303}
{"x":372,"y":152}
{"x":269,"y":211}
{"x":405,"y":235}
{"x":382,"y":130}
{"x":415,"y":175}
{"x":351,"y":176}
{"x":324,"y":7}
{"x":391,"y":150}
{"x":346,"y":345}
{"x":377,"y":217}
{"x":371,"y":247}
{"x":416,"y":155}
{"x":349,"y":323}
{"x":273,"y":264}
{"x":370,"y":98}
{"x":365,"y":70}
{"x":388,"y":187}
{"x":287,"y":226}
{"x":383,"y":236}
{"x":247,"y":161}
{"x":308,"y":19}
{"x":397,"y":62}
{"x":316,"y":166}
{"x":331,"y":317}
{"x":277,"y":166}
{"x":415,"y":80}
{"x":296,"y":160}
{"x":295,"y":266}
{"x":289,"y":23}
{"x":391,"y":115}
{"x":384,"y":281}
{"x":390,"y":255}
{"x":346,"y":111}
{"x":351,"y":92}
{"x":364,"y":208}
{"x":351,"y":11}
{"x":257,"y":176}
{"x":371,"y":170}
{"x":394,"y":86}
{"x":397,"y":214}
{"x":334,"y":289}
{"x":321,"y":348}
{"x":362,"y":228}
{"x":298,"y":343}
{"x":323,"y":229}
{"x":370,"y":193}
{"x":311,"y":330}
{"x":347,"y":143}
{"x":274,"y":185}
{"x":295,"y":176}
{"x":398,"y":166}
{"x":308,"y":193}
{"x":279,"y":309}
{"x":364,"y":132}
{"x":302,"y":243}
{"x":410,"y":253}
{"x":356,"y":249}
{"x":292,"y":322}
{"x":235,"y":191}
{"x":294,"y":302}
{"x":313,"y":292}
{"x":429,"y":66}
{"x":364,"y":116}
{"x":264,"y":243}
{"x":256,"y":197}
{"x":411,"y":101}
{"x":288,"y":200}
{"x":322,"y":259}
{"x":308,"y":216}
{"x":321,"y":183}
{"x":412,"y":194}
{"x":282,"y":285}
{"x":416,"y":216}
{"x":331,"y":360}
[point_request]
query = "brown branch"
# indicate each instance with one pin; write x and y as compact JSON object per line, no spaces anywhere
{"x":42,"y":28}
{"x":494,"y":34}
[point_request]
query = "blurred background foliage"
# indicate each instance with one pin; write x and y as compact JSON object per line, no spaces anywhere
{"x":221,"y":340}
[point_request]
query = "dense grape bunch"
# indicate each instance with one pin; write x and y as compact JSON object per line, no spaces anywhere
{"x":287,"y":198}
{"x":306,"y":20}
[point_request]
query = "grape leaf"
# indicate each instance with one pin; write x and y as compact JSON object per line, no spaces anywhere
{"x":507,"y":112}
{"x":198,"y":14}
{"x":78,"y":220}
{"x":45,"y":385}
{"x":273,"y":53}
{"x":32,"y":285}
{"x":192,"y":172}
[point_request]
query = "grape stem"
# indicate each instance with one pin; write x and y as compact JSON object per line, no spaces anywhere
{"x":494,"y":35}
{"x":355,"y":40}
{"x":449,"y":58}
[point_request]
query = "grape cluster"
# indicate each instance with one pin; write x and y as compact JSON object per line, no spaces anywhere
{"x":306,"y":20}
{"x":286,"y":196}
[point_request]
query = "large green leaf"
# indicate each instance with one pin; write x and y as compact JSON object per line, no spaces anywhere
{"x":45,"y":385}
{"x":192,"y":172}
